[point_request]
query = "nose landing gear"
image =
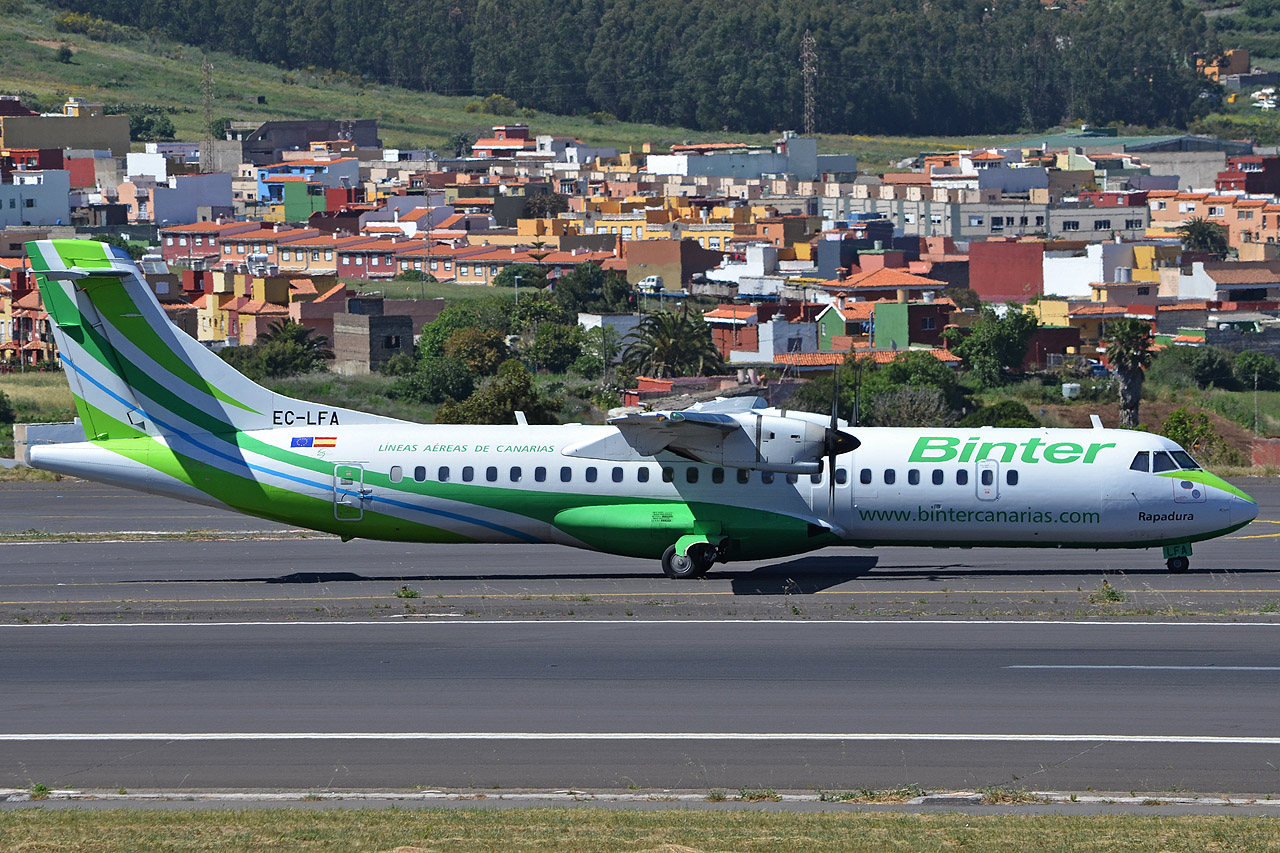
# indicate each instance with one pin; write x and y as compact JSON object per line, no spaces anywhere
{"x":1177,"y":558}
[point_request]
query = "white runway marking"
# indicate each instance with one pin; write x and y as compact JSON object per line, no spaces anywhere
{"x":645,"y":736}
{"x":1205,"y":668}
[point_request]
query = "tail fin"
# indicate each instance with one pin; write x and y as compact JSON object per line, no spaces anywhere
{"x":132,"y":372}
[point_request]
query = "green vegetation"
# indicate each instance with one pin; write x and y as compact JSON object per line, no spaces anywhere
{"x":958,"y":66}
{"x":286,"y":348}
{"x":32,"y":397}
{"x":588,"y":829}
{"x":671,"y":344}
{"x":1129,"y":351}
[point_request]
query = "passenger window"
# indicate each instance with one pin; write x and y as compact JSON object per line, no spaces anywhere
{"x":865,"y":477}
{"x":792,"y":479}
{"x":1011,"y":477}
{"x":691,"y":474}
{"x":668,"y":474}
{"x":591,"y":474}
{"x":1140,"y":462}
{"x":468,"y":474}
{"x":766,"y":476}
{"x":617,"y":475}
{"x":744,"y":476}
{"x":913,"y":476}
{"x":815,"y":478}
{"x":515,"y":474}
{"x":1162,"y":462}
{"x":987,"y":477}
{"x":566,"y":474}
{"x":397,"y":473}
{"x":491,"y":474}
{"x":642,"y":475}
{"x":420,"y":474}
{"x":938,"y":476}
{"x":540,"y":474}
{"x":717,"y":475}
{"x":842,"y":476}
{"x":442,"y":475}
{"x":962,"y":477}
{"x":1184,"y":460}
{"x":890,"y":476}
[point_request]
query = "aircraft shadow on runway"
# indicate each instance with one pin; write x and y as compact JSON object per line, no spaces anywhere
{"x":804,"y":576}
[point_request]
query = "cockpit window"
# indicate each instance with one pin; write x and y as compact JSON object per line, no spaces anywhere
{"x":1140,"y":462}
{"x":1162,"y":461}
{"x":1185,"y":461}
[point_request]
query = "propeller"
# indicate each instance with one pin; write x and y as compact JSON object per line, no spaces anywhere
{"x":835,"y":442}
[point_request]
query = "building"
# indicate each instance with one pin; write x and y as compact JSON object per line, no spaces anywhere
{"x":81,"y":124}
{"x":365,"y":339}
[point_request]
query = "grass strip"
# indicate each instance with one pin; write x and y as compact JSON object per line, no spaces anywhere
{"x":568,"y":830}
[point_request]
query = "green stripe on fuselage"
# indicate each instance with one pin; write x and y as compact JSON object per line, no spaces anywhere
{"x":1204,"y":478}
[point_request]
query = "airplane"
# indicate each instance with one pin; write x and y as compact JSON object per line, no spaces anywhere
{"x":728,"y":480}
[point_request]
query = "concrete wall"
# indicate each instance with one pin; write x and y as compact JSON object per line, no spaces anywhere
{"x":43,"y":203}
{"x":1267,"y":341}
{"x":106,"y":132}
{"x":181,"y":203}
{"x":1194,"y":169}
{"x":363,"y":343}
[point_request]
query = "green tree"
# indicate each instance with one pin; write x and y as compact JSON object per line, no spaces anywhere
{"x":490,"y":312}
{"x":555,"y":346}
{"x":1252,"y":365}
{"x":531,"y":276}
{"x":669,"y":344}
{"x":497,"y":402}
{"x":1196,"y":433}
{"x":436,"y":380}
{"x":286,"y":348}
{"x":544,"y":205}
{"x":1129,"y":352}
{"x":588,"y":287}
{"x":1201,"y":235}
{"x":994,"y":344}
{"x":7,"y":415}
{"x":481,"y":350}
{"x":1006,"y":413}
{"x":1192,"y":367}
{"x":911,"y":406}
{"x":461,"y":143}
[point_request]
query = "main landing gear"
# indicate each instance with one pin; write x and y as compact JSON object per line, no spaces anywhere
{"x":1177,"y":558}
{"x":694,"y":563}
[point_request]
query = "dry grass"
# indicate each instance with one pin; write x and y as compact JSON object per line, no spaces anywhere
{"x":568,"y":830}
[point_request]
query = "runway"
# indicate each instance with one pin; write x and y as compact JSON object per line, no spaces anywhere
{"x":240,"y":655}
{"x":675,"y":705}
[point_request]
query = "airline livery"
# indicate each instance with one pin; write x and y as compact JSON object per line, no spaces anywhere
{"x":728,"y":480}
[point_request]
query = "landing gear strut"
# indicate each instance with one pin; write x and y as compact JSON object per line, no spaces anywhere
{"x":1177,"y":565}
{"x":1177,"y":558}
{"x":693,"y":564}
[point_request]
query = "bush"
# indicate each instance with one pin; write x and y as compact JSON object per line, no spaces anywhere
{"x":7,"y":415}
{"x":436,"y":380}
{"x":482,"y":350}
{"x":1006,"y":413}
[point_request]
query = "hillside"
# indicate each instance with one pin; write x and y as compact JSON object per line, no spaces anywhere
{"x":151,"y":69}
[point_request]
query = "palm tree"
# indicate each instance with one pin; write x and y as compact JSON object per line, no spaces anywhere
{"x":1129,"y":352}
{"x":669,"y":344}
{"x":1200,"y":235}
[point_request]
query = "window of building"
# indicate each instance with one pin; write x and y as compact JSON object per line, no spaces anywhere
{"x":1070,"y":225}
{"x":1244,"y":214}
{"x":168,"y":241}
{"x":1011,"y":477}
{"x":1216,"y":210}
{"x":182,"y":241}
{"x":591,"y":474}
{"x":1161,"y":205}
{"x":1144,"y":291}
{"x":285,"y":255}
{"x":566,"y":474}
{"x":468,"y":473}
{"x":1132,"y":224}
{"x":359,"y":260}
{"x":540,"y":474}
{"x":491,"y":474}
{"x":1039,"y":221}
{"x":328,"y":254}
{"x":397,"y":473}
{"x":1186,"y":207}
{"x":976,"y":221}
{"x":464,"y":269}
{"x":913,"y":476}
{"x":928,"y":324}
{"x":1102,"y":225}
{"x":890,"y":476}
{"x":935,"y":218}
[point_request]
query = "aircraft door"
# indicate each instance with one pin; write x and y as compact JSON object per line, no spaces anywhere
{"x":349,"y":492}
{"x":987,"y":480}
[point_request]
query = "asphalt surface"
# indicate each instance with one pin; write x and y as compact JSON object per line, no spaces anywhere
{"x":836,"y":705}
{"x":246,"y":656}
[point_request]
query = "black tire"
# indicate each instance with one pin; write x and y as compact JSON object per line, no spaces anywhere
{"x":1177,"y":565}
{"x":693,"y":564}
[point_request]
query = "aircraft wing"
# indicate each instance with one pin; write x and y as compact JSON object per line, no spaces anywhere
{"x":652,"y":433}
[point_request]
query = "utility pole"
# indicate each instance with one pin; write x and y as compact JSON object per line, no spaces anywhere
{"x":809,"y":68}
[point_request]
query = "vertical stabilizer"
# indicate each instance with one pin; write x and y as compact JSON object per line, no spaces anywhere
{"x":133,"y":372}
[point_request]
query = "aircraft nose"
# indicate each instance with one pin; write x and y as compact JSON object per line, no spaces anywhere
{"x":1242,"y":511}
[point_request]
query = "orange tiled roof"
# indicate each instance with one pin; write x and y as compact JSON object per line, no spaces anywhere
{"x":885,"y":277}
{"x":258,"y":306}
{"x":739,"y":313}
{"x":1228,"y":275}
{"x":1097,"y":309}
{"x":202,"y":227}
{"x":302,"y":286}
{"x":333,"y":293}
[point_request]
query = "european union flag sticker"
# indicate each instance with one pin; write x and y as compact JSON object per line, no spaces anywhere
{"x":303,"y":442}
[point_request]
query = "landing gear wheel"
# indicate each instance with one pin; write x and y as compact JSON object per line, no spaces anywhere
{"x":693,"y":564}
{"x":1177,"y":565}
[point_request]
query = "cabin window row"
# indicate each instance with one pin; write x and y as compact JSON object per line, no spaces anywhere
{"x":938,"y":477}
{"x":591,"y":474}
